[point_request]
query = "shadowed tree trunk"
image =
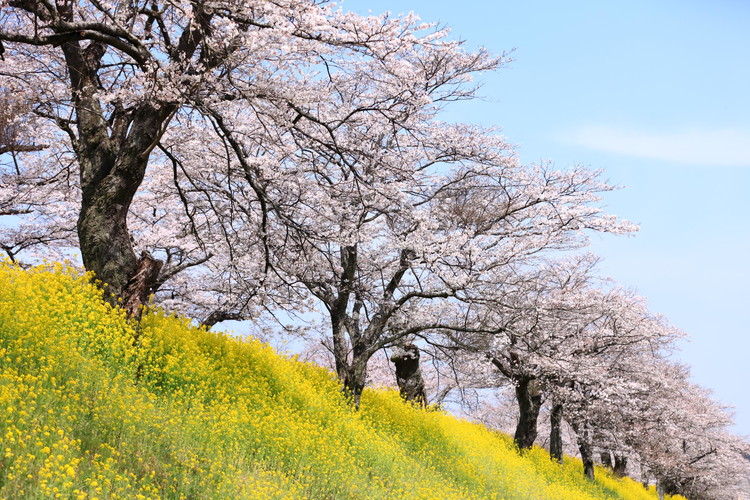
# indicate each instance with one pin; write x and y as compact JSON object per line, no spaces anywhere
{"x":351,"y":366}
{"x":356,"y":341}
{"x":555,"y":434}
{"x":112,"y":169}
{"x":354,"y":374}
{"x":408,"y":374}
{"x":606,"y":457}
{"x":220,"y":315}
{"x":529,"y":397}
{"x":109,"y":182}
{"x":141,"y":284}
{"x":644,"y":476}
{"x":621,"y":464}
{"x":660,"y":489}
{"x":113,"y":155}
{"x":586,"y":448}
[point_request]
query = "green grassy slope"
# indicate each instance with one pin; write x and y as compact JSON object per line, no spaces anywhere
{"x":92,"y":408}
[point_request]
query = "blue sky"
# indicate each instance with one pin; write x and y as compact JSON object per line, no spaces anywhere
{"x":657,"y":94}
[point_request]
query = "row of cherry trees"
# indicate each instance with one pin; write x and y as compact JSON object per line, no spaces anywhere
{"x":596,"y":358}
{"x":281,"y":161}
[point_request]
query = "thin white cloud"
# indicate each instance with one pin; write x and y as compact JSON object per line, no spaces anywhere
{"x":722,"y":147}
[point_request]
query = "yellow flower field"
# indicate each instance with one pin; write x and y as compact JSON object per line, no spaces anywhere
{"x":92,"y":406}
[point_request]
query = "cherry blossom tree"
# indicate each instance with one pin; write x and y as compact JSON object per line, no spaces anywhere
{"x":37,"y":217}
{"x":410,"y":271}
{"x":110,"y":79}
{"x":242,"y":159}
{"x":675,"y":430}
{"x":552,"y":330}
{"x":602,"y":375}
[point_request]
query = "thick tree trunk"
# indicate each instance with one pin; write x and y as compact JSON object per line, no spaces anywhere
{"x":606,"y":457}
{"x":621,"y":465}
{"x":529,"y":398}
{"x":112,"y":157}
{"x":113,"y":143}
{"x":108,"y":187}
{"x":351,"y":372}
{"x":408,"y":374}
{"x":555,"y":434}
{"x":588,"y":460}
{"x":104,"y":240}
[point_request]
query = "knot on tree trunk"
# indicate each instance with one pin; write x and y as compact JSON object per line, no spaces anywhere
{"x":408,"y":374}
{"x":141,"y":284}
{"x":220,"y":315}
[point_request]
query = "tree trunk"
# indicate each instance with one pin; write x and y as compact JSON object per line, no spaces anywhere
{"x":112,"y":157}
{"x":220,"y":315}
{"x":660,"y":489}
{"x":529,"y":398}
{"x":113,"y":143}
{"x":621,"y":464}
{"x":606,"y":457}
{"x":109,"y":184}
{"x":104,"y":240}
{"x":585,"y":447}
{"x":352,"y":373}
{"x":354,"y":379}
{"x":555,"y":434}
{"x":588,"y":460}
{"x":408,"y":374}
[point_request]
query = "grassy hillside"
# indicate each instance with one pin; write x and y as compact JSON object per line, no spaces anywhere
{"x":92,"y":408}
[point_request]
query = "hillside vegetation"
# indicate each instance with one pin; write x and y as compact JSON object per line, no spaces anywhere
{"x":96,"y":407}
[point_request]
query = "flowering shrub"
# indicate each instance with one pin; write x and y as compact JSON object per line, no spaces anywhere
{"x":93,"y":406}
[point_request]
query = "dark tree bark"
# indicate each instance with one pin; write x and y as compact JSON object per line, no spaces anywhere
{"x":408,"y":374}
{"x":141,"y":284}
{"x":352,"y":371}
{"x":588,"y":460}
{"x":606,"y":457}
{"x":112,"y":170}
{"x":529,"y":397}
{"x":645,"y":476}
{"x":555,"y":434}
{"x":668,"y":486}
{"x":113,"y":160}
{"x":110,"y":176}
{"x":660,"y":489}
{"x":355,"y":377}
{"x":621,"y":465}
{"x":220,"y":315}
{"x":351,"y":366}
{"x":585,"y":447}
